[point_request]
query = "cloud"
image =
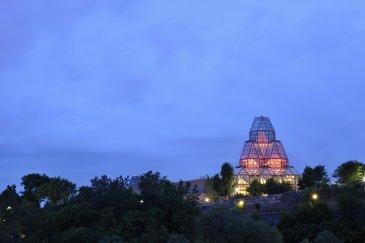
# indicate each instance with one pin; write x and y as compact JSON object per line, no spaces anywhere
{"x":174,"y":81}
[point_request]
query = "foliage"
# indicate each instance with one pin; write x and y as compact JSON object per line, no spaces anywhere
{"x":222,"y":184}
{"x":32,"y":184}
{"x":227,"y":179}
{"x":110,"y":239}
{"x":326,"y":236}
{"x":9,"y":197}
{"x":274,"y":187}
{"x":270,"y":187}
{"x":176,"y":238}
{"x":349,"y":204}
{"x":175,"y":204}
{"x":109,"y":211}
{"x":350,"y":173}
{"x":305,"y":223}
{"x":316,"y":177}
{"x":308,"y":195}
{"x":316,"y":221}
{"x":106,"y":211}
{"x":57,"y":191}
{"x":256,"y":188}
{"x":222,"y":224}
{"x":313,"y":213}
{"x":211,"y":189}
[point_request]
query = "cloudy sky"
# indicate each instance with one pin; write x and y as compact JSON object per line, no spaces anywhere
{"x":123,"y":87}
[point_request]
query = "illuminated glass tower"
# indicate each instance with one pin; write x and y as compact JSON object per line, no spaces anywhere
{"x":263,"y":157}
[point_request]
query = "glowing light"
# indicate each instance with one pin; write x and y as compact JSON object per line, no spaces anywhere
{"x":363,"y":179}
{"x":8,"y":208}
{"x":241,"y":204}
{"x":207,"y":199}
{"x":314,"y":196}
{"x":141,"y":201}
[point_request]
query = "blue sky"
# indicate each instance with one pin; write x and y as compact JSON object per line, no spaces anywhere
{"x":123,"y":87}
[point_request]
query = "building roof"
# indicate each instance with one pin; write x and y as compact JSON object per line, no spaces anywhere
{"x":262,"y":149}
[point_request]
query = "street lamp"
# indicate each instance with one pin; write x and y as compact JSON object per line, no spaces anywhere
{"x":241,"y":203}
{"x":315,"y":196}
{"x":207,"y":200}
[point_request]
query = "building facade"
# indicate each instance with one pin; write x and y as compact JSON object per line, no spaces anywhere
{"x":263,"y":157}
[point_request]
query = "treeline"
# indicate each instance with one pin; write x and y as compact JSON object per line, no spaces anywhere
{"x":53,"y":209}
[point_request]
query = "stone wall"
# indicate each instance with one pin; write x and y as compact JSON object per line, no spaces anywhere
{"x":268,"y":208}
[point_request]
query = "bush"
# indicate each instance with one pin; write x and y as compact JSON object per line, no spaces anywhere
{"x":326,"y":236}
{"x":222,"y":224}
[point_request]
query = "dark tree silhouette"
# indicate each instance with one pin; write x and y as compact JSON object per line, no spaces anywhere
{"x":350,"y":172}
{"x":316,"y":177}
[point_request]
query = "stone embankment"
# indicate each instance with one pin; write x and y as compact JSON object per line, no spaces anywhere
{"x":268,"y":207}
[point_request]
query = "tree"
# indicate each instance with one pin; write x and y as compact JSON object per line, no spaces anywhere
{"x":9,"y":197}
{"x":173,"y":204}
{"x":274,"y":187}
{"x":256,"y":188}
{"x":305,"y":223}
{"x":175,"y":238}
{"x":316,"y":177}
{"x":110,"y":239}
{"x":350,"y":172}
{"x":349,"y":204}
{"x":32,"y":184}
{"x":211,"y":190}
{"x":217,"y":184}
{"x":227,"y":178}
{"x":223,"y":224}
{"x":326,"y":236}
{"x":57,"y":191}
{"x":223,"y":183}
{"x":112,"y":193}
{"x":9,"y":206}
{"x":153,"y":186}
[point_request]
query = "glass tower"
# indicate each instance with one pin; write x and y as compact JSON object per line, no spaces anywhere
{"x":263,"y":157}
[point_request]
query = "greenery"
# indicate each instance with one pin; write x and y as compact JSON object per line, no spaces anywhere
{"x":270,"y":187}
{"x":350,"y":173}
{"x":221,"y":185}
{"x":53,"y":209}
{"x":326,"y":236}
{"x":224,"y":224}
{"x":256,"y":188}
{"x":274,"y":187}
{"x":316,"y":221}
{"x":316,"y":177}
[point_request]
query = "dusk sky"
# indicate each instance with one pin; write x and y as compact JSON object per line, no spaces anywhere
{"x":122,"y":87}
